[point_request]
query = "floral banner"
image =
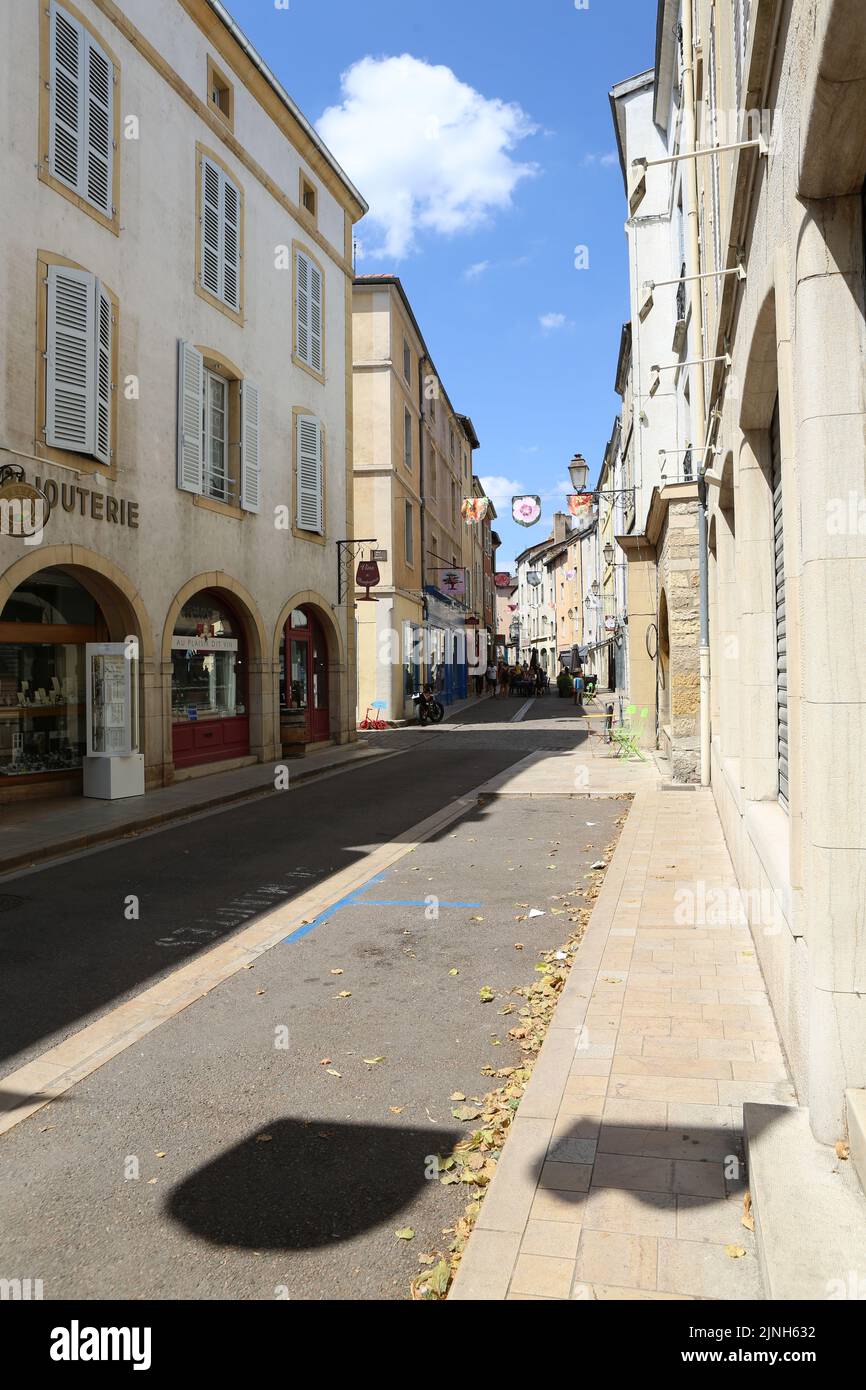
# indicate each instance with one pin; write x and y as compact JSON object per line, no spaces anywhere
{"x":474,"y":509}
{"x":580,"y":506}
{"x":526,"y":510}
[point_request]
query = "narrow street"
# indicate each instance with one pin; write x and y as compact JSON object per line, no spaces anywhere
{"x":218,"y":1209}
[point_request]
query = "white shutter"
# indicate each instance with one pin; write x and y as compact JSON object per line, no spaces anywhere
{"x":102,"y":374}
{"x":231,"y":229}
{"x":309,"y":479}
{"x":66,"y":136}
{"x":250,"y":461}
{"x":781,"y":628}
{"x":302,"y":307}
{"x":315,"y":317}
{"x":98,"y":143}
{"x":190,"y":394}
{"x":210,"y":227}
{"x":70,"y":377}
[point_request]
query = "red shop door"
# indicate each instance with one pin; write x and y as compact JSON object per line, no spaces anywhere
{"x":307,"y":662}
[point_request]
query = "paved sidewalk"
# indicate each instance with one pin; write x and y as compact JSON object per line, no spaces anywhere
{"x":37,"y":830}
{"x":623,"y":1177}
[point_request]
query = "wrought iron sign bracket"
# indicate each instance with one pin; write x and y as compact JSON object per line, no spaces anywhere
{"x":347,"y":553}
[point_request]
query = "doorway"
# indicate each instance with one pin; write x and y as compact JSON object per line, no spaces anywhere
{"x":304,"y":683}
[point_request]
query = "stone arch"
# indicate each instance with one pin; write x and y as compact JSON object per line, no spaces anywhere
{"x":338,"y":683}
{"x":259,"y":662}
{"x":833,"y":126}
{"x":125,"y":616}
{"x":115,"y":593}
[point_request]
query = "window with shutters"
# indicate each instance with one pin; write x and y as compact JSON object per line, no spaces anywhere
{"x":79,"y":114}
{"x":407,"y":361}
{"x":218,"y":453}
{"x":77,"y":362}
{"x":779,"y":591}
{"x":309,"y":477}
{"x":740,"y":13}
{"x":407,"y":437}
{"x":409,"y":532}
{"x":219,"y":240}
{"x":308,"y":197}
{"x":309,"y":304}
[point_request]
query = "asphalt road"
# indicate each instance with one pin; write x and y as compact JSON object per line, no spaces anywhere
{"x":212,"y":1161}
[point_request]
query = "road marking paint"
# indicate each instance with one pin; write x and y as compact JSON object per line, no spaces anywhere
{"x":350,"y":898}
{"x":521,"y":713}
{"x":409,"y":902}
{"x":57,"y":1070}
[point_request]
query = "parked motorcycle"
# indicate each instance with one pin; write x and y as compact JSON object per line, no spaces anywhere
{"x":429,"y":708}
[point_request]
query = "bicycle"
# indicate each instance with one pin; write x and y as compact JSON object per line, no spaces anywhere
{"x":368,"y":723}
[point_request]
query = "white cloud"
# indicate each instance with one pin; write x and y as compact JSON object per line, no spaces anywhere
{"x":605,"y":160}
{"x":427,"y":151}
{"x":550,"y":322}
{"x":609,"y":159}
{"x":473,"y":271}
{"x":501,"y":490}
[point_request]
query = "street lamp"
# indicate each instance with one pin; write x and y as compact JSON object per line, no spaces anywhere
{"x":578,"y":471}
{"x":608,"y":552}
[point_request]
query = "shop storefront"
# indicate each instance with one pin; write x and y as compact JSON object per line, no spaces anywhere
{"x":209,"y":695}
{"x":305,"y":713}
{"x":44,"y":628}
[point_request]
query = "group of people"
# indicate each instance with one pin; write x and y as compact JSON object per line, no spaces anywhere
{"x":502,"y":679}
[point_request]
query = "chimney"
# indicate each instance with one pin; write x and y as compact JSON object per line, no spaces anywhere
{"x":561,"y":525}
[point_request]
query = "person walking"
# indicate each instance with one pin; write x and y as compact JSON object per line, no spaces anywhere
{"x":490,"y":678}
{"x":578,"y":686}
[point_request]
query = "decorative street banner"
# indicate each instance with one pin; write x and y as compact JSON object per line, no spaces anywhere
{"x":451,"y":582}
{"x":502,"y":579}
{"x":580,"y":506}
{"x":474,"y":509}
{"x":526,"y":510}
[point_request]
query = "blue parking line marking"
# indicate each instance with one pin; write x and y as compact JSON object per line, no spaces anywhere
{"x":410,"y":902}
{"x":329,"y":911}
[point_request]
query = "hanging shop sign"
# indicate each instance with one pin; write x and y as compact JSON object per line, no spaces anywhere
{"x":610,"y":624}
{"x":24,"y":509}
{"x":580,"y":506}
{"x":526,"y":510}
{"x":367,"y":577}
{"x":474,"y":509}
{"x":451,"y":582}
{"x":502,"y":579}
{"x":533,"y":578}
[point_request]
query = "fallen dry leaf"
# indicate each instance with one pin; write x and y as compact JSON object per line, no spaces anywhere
{"x":264,"y":1138}
{"x":331,"y":1072}
{"x":405,"y":1233}
{"x":396,"y":1109}
{"x":344,"y":994}
{"x":457,"y":1095}
{"x":748,"y":1218}
{"x":373,"y":1061}
{"x":735,"y":1252}
{"x":843,"y":1150}
{"x":337,"y":972}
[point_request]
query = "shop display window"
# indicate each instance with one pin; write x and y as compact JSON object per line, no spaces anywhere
{"x":206,"y":663}
{"x":42,"y":708}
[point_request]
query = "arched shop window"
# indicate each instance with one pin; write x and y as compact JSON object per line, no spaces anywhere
{"x":44,"y":628}
{"x":209,"y":698}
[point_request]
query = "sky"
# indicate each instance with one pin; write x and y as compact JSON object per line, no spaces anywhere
{"x":480,"y":133}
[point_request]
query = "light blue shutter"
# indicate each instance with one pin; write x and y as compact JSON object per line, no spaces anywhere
{"x":66,"y":135}
{"x":231,"y":243}
{"x":70,"y":390}
{"x":102,"y":373}
{"x":316,"y":309}
{"x":190,"y":395}
{"x":211,"y":253}
{"x":309,"y":475}
{"x":250,"y":460}
{"x":302,"y":307}
{"x":98,"y":143}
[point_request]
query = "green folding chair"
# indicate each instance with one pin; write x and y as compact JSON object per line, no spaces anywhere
{"x":626,"y":736}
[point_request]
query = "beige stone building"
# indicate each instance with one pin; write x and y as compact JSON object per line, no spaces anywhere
{"x":175,"y":364}
{"x":412,"y":471}
{"x":778,"y":408}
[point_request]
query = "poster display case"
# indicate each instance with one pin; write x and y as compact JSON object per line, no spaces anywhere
{"x":113,"y":766}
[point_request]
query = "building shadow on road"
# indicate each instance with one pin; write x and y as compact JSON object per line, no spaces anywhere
{"x":298,"y":1184}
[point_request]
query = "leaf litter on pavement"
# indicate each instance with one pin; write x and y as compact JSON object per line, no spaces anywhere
{"x":473,"y":1160}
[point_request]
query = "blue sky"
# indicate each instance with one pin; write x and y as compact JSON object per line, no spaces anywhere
{"x":480,"y":132}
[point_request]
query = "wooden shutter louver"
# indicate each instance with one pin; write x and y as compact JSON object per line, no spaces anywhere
{"x":315,"y":317}
{"x":190,"y":394}
{"x":220,"y":270}
{"x":309,"y":474}
{"x":67,"y":98}
{"x":98,"y":126}
{"x":781,"y":629}
{"x":250,"y":454}
{"x":302,"y":307}
{"x":210,"y":227}
{"x":231,"y":244}
{"x":102,"y":420}
{"x":71,"y":347}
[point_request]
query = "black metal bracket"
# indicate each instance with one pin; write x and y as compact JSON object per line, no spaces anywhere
{"x":347,"y":553}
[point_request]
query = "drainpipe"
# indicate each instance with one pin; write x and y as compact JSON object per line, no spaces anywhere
{"x":696,"y":383}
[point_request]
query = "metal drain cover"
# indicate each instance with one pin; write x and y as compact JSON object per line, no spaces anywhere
{"x":8,"y":901}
